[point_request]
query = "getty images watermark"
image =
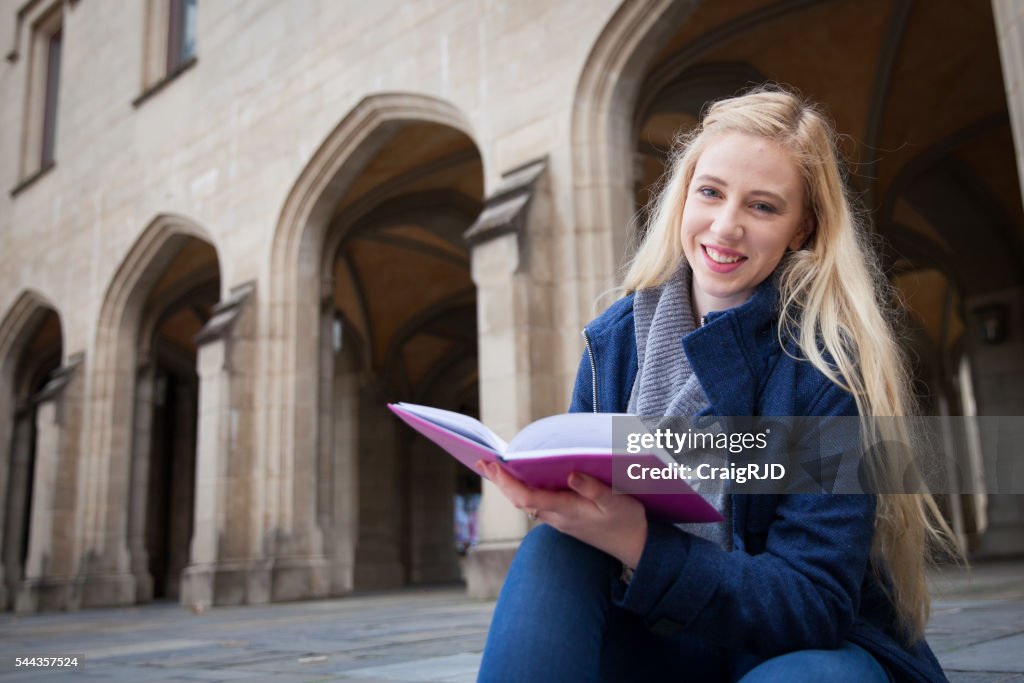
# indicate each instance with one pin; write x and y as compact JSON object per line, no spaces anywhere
{"x":781,"y":455}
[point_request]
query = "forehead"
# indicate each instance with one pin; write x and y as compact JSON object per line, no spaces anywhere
{"x":750,"y":162}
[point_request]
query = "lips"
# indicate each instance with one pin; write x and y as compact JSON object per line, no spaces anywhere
{"x":721,"y":259}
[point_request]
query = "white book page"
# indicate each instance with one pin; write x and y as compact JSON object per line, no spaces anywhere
{"x":559,"y":433}
{"x":463,"y":425}
{"x":574,"y":433}
{"x":559,"y":453}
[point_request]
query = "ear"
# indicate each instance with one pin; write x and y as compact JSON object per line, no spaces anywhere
{"x":803,"y":234}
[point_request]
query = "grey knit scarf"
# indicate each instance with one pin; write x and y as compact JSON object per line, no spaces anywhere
{"x":665,"y":383}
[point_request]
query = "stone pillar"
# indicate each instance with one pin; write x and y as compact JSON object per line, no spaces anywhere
{"x":142,"y":439}
{"x":1009,"y":25}
{"x":47,"y":581}
{"x":325,"y":426}
{"x":6,"y":458}
{"x":197,"y":586}
{"x":1000,"y":368}
{"x":15,"y":519}
{"x":996,"y":339}
{"x":432,"y":519}
{"x":222,"y":569}
{"x":345,"y":471}
{"x":507,"y":267}
{"x":181,"y":487}
{"x":300,"y":567}
{"x":44,"y":480}
{"x":379,"y":547}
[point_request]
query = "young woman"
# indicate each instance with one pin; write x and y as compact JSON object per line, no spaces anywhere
{"x":752,"y":294}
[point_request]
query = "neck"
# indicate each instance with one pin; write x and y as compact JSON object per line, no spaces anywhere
{"x":702,"y":304}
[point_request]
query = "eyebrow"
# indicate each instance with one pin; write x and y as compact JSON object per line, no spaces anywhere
{"x":763,"y":193}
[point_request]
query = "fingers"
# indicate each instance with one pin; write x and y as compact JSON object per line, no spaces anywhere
{"x":535,"y":502}
{"x":590,"y":488}
{"x":590,"y":511}
{"x":518,"y":493}
{"x":515,"y":490}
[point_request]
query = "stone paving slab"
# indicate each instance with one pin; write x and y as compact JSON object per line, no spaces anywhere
{"x":959,"y":625}
{"x":1003,"y":655}
{"x":460,"y":668}
{"x":418,"y":635}
{"x":977,"y":621}
{"x":958,"y":677}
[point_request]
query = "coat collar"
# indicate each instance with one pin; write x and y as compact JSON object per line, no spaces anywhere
{"x":730,"y":354}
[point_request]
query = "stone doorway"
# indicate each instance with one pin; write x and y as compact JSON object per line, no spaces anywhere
{"x":398,"y":323}
{"x":35,"y":359}
{"x":930,"y":160}
{"x":165,"y":420}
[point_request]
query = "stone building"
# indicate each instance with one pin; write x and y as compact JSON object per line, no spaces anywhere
{"x":232,"y":230}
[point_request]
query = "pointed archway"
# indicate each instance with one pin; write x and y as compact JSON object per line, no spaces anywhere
{"x":31,"y":443}
{"x":940,"y":182}
{"x":137,"y":516}
{"x":326,"y":247}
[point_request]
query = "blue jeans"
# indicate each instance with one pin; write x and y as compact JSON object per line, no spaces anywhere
{"x":555,"y":621}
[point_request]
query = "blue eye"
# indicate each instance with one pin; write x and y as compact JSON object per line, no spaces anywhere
{"x":709,"y":192}
{"x":763,"y":207}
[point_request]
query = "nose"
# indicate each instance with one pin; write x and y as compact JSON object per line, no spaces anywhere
{"x":727,"y":224}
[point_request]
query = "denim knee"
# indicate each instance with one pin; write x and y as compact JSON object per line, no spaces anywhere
{"x":848,"y":664}
{"x":551,"y":615}
{"x":547,"y":548}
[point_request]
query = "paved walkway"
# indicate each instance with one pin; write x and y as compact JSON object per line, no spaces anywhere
{"x":416,"y":635}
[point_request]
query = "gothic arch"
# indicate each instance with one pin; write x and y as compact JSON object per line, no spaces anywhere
{"x":290,"y":313}
{"x":25,"y":310}
{"x":110,"y":394}
{"x":18,"y":327}
{"x":602,"y":130}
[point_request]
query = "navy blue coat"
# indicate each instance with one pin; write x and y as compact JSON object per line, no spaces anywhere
{"x":798,"y":576}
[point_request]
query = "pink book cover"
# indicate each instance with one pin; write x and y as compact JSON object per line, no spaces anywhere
{"x":671,"y":500}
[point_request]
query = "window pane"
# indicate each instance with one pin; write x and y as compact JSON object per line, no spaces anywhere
{"x":188,"y":30}
{"x":50,"y":105}
{"x":173,"y":35}
{"x":181,"y":34}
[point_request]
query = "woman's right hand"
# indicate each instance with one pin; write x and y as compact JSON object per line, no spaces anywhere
{"x":589,"y":511}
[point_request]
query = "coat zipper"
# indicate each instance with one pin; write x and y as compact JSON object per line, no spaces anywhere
{"x":593,"y":366}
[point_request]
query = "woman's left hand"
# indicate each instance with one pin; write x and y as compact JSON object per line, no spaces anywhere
{"x":590,"y":511}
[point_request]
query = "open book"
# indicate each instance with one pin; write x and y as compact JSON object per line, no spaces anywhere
{"x":545,"y":452}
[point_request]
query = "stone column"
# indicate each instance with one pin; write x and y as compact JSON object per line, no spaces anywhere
{"x":46,"y":581}
{"x":996,"y":342}
{"x":1009,"y":25}
{"x":181,"y":487}
{"x":20,"y":471}
{"x":345,"y":483}
{"x":44,"y":479}
{"x":325,"y":424}
{"x":6,"y":458}
{"x":142,"y":439}
{"x":432,"y":519}
{"x":507,"y":268}
{"x":222,"y":569}
{"x":379,"y":546}
{"x":999,"y":371}
{"x":300,"y":568}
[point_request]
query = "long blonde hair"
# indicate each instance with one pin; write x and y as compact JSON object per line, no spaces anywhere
{"x":831,"y":294}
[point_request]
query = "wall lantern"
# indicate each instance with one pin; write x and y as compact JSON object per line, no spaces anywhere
{"x":992,"y":323}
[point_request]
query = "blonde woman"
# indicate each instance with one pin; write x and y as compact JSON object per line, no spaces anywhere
{"x":752,"y":294}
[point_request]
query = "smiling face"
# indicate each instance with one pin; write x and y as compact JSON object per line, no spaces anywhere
{"x":744,"y":207}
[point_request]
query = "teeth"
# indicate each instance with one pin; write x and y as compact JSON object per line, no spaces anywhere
{"x":719,"y":257}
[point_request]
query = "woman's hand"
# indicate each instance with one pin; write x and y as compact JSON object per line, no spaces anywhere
{"x":590,"y":511}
